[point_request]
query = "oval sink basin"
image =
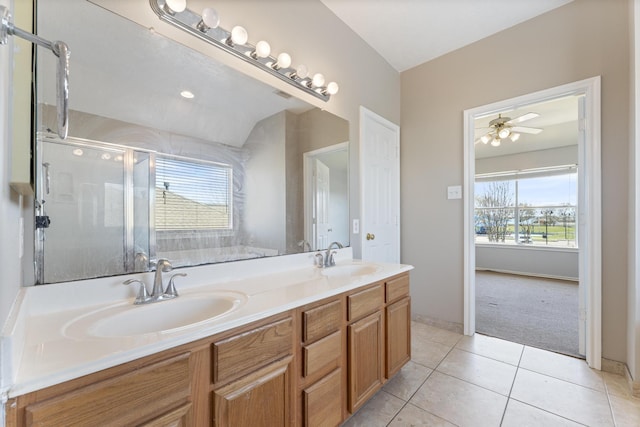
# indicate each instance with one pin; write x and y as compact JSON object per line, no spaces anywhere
{"x":126,"y":319}
{"x":349,"y":270}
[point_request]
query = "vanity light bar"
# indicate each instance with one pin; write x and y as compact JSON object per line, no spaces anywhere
{"x":205,"y":27}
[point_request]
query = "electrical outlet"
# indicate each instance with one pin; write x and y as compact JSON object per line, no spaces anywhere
{"x":356,"y":226}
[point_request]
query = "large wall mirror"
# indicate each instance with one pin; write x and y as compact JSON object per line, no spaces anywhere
{"x":173,"y":155}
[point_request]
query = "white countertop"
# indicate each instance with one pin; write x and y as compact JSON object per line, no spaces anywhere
{"x":40,"y":352}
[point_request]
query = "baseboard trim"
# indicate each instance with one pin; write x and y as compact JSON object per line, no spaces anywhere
{"x":438,"y":323}
{"x":520,"y":273}
{"x":620,"y":368}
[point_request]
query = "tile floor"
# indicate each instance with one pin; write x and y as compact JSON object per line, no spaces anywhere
{"x":454,"y":380}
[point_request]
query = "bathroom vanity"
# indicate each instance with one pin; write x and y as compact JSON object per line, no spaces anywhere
{"x":307,"y":347}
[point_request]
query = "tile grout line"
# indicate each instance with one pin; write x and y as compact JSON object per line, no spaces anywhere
{"x":606,"y":389}
{"x":512,"y":384}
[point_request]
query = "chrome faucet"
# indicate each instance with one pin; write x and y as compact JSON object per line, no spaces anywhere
{"x":329,"y":256}
{"x":162,"y":266}
{"x":158,"y":293}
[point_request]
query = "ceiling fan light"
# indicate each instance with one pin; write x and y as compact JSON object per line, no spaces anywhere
{"x":485,"y":138}
{"x":495,"y":142}
{"x":504,"y":132}
{"x":514,"y":136}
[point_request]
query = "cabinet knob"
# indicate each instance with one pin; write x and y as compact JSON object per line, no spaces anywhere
{"x":371,"y":236}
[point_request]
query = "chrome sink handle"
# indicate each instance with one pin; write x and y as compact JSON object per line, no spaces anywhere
{"x":171,"y":291}
{"x":319,"y":260}
{"x":332,"y":258}
{"x":143,"y":296}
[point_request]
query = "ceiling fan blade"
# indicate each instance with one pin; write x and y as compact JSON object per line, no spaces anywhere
{"x":524,"y":117}
{"x":524,"y":129}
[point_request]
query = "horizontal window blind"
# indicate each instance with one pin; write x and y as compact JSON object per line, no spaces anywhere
{"x":192,"y":195}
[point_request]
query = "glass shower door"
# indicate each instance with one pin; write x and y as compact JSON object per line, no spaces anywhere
{"x":81,"y":211}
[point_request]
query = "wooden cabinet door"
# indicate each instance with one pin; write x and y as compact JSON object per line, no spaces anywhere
{"x":261,"y":399}
{"x":398,"y":343}
{"x":323,"y":401}
{"x":366,"y":364}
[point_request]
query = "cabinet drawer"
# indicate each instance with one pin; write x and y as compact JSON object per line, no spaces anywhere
{"x":397,"y":288}
{"x":175,"y":418}
{"x":323,"y":401}
{"x":322,"y":355}
{"x":123,"y":400}
{"x":364,"y":302}
{"x":244,"y":353}
{"x":321,"y":321}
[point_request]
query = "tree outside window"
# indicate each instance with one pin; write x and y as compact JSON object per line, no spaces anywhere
{"x":527,"y":208}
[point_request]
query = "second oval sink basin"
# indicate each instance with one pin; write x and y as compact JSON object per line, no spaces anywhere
{"x":349,"y":270}
{"x":125,"y":319}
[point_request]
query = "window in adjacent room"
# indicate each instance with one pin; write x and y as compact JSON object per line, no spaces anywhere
{"x":535,"y":207}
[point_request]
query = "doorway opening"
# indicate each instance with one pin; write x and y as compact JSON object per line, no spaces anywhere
{"x":526,"y":200}
{"x":326,"y":196}
{"x":513,"y":225}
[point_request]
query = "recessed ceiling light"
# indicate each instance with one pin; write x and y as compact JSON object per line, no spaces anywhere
{"x":187,"y":94}
{"x":78,"y":152}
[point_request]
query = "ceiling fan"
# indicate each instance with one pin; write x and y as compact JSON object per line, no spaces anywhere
{"x":503,"y":127}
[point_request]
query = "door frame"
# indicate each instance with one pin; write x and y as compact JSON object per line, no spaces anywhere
{"x":366,"y":115}
{"x":589,"y":207}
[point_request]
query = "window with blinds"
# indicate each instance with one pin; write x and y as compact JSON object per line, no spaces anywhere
{"x":192,"y":195}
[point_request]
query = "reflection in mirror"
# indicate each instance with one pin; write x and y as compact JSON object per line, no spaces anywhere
{"x":147,"y":174}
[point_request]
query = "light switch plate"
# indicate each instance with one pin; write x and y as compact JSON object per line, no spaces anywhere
{"x":454,"y":192}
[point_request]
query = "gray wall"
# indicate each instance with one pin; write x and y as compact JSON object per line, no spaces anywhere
{"x":265,"y":184}
{"x":577,"y":41}
{"x":554,"y":263}
{"x":10,"y":201}
{"x":529,"y":160}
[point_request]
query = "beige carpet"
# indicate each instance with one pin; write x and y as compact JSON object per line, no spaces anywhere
{"x":538,"y":312}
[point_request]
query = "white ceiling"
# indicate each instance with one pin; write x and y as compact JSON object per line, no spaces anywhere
{"x":410,"y":32}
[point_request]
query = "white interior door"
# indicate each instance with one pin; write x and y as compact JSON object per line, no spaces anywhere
{"x":380,"y":187}
{"x":321,"y":205}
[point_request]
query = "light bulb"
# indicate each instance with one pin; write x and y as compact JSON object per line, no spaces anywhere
{"x":210,"y":19}
{"x":283,"y":61}
{"x":332,"y":88}
{"x":495,"y":142}
{"x":485,"y":138}
{"x":262,"y":50}
{"x":504,"y":132}
{"x":239,"y":35}
{"x":301,"y":72}
{"x":318,"y":80}
{"x":175,"y":6}
{"x":514,"y":136}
